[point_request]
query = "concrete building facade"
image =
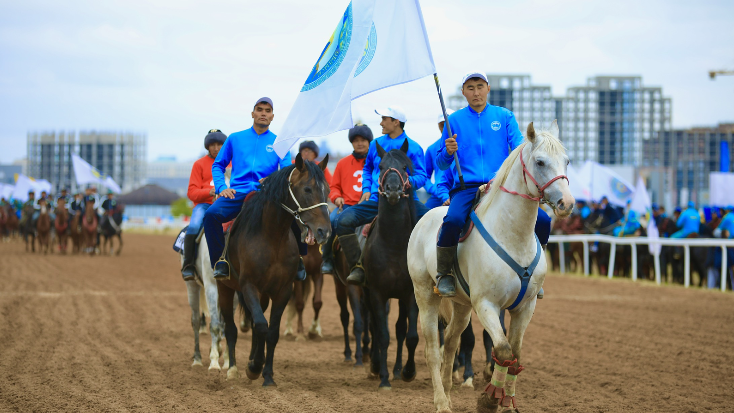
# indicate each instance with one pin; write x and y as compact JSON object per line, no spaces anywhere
{"x":122,"y":155}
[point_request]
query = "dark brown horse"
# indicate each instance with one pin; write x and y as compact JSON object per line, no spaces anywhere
{"x":263,"y":255}
{"x":75,"y":231}
{"x":110,"y":228}
{"x":89,"y":228}
{"x":386,"y":265}
{"x":28,"y":226}
{"x":301,"y":291}
{"x":43,"y":228}
{"x":11,"y":223}
{"x":61,"y":223}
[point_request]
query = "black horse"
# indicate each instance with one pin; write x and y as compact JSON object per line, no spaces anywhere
{"x":28,"y":226}
{"x":111,"y":227}
{"x":386,"y":265}
{"x":264,"y":258}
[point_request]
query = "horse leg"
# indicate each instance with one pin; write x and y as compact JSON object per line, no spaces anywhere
{"x":300,"y":293}
{"x":358,"y":327}
{"x":489,"y":316}
{"x":364,"y":311}
{"x":226,"y":304}
{"x":119,"y":247}
{"x":193,"y":291}
{"x":428,"y":303}
{"x":520,"y":321}
{"x":318,"y":285}
{"x":466,"y":349}
{"x":341,"y":298}
{"x":378,"y":308}
{"x":459,"y":320}
{"x":215,"y":316}
{"x":272,"y":338}
{"x":259,"y":332}
{"x":489,"y":366}
{"x":411,"y":340}
{"x":401,"y":330}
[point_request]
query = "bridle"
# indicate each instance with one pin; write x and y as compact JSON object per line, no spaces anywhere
{"x":541,"y":189}
{"x":404,"y":182}
{"x":297,"y":213}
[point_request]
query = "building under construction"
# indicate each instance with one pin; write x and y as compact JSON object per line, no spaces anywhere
{"x":120,"y":155}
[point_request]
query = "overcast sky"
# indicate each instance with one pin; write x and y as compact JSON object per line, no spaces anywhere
{"x":175,"y":69}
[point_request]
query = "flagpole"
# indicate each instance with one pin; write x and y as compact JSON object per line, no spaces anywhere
{"x":448,"y":126}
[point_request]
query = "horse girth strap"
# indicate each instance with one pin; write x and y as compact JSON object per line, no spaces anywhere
{"x":524,"y":273}
{"x":297,"y":212}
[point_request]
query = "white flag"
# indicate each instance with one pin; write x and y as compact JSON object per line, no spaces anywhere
{"x":6,"y":191}
{"x":23,"y":185}
{"x":642,"y":205}
{"x":579,"y":189}
{"x":85,"y":173}
{"x":604,"y":182}
{"x":377,"y":44}
{"x":112,"y":185}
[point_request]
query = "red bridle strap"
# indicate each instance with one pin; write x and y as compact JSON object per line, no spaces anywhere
{"x":541,"y":189}
{"x":405,"y":182}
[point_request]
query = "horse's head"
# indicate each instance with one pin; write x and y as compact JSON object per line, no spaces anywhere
{"x":546,"y":165}
{"x":395,"y":167}
{"x":309,"y":194}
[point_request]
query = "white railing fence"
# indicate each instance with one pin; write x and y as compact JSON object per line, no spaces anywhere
{"x":686,"y":243}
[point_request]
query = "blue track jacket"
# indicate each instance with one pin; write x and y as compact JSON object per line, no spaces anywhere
{"x":371,"y":171}
{"x":727,"y":223}
{"x":252,"y":158}
{"x":431,"y":151}
{"x":689,"y":221}
{"x":485,"y":140}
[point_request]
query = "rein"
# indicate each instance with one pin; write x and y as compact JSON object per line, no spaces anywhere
{"x":297,"y":213}
{"x":404,"y":182}
{"x":541,"y":189}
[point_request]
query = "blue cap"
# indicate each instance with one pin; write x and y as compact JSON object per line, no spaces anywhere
{"x":691,"y":204}
{"x":678,"y":209}
{"x":265,"y":99}
{"x":655,"y":206}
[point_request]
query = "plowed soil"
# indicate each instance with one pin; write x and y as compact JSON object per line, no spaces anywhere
{"x":102,"y":333}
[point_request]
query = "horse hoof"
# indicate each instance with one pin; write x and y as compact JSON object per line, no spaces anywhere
{"x":269,"y":383}
{"x":407,"y":377}
{"x":314,"y":336}
{"x":347,"y":359}
{"x":233,"y":373}
{"x":214,"y":365}
{"x":457,"y":377}
{"x":384,"y":388}
{"x":197,"y":363}
{"x":250,"y":374}
{"x":358,"y":363}
{"x":300,"y":338}
{"x":468,"y":384}
{"x":486,"y":404}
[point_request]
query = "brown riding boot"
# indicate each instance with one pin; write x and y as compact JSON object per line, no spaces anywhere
{"x":350,"y":245}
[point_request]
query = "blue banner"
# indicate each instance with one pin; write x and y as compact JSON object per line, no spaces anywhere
{"x":724,"y":157}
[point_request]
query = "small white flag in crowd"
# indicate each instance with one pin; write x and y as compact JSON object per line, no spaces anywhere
{"x":642,"y":205}
{"x":376,"y":44}
{"x":604,"y":182}
{"x":87,"y":174}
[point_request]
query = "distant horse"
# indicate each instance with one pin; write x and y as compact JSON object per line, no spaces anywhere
{"x":111,"y":228}
{"x":206,"y":300}
{"x":263,"y":256}
{"x":301,"y":291}
{"x":61,"y":223}
{"x":43,"y":228}
{"x":75,"y":231}
{"x":11,"y":223}
{"x":598,"y":223}
{"x":89,"y":229}
{"x":535,"y":171}
{"x":386,"y":267}
{"x":347,"y":296}
{"x":28,"y":226}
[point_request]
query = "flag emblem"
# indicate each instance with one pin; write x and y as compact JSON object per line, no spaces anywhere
{"x":333,"y":53}
{"x":369,"y":51}
{"x":620,"y":190}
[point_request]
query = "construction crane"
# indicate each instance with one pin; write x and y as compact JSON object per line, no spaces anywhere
{"x":713,"y":73}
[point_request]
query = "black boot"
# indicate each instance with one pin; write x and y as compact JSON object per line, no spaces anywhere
{"x":445,"y":282}
{"x":350,"y":245}
{"x":221,"y":269}
{"x":301,"y":272}
{"x":188,"y":270}
{"x":327,"y":256}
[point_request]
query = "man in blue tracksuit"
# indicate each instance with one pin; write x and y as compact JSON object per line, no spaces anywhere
{"x":253,"y":158}
{"x":437,"y":198}
{"x":689,"y":222}
{"x":484,"y":136}
{"x":393,"y":122}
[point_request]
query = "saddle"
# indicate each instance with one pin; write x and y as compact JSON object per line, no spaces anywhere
{"x":469,"y":224}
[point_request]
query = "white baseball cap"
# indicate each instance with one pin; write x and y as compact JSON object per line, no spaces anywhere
{"x":394,"y":112}
{"x":477,"y":73}
{"x":448,"y":113}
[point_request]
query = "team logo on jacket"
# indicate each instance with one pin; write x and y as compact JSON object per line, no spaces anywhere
{"x":269,"y":148}
{"x":333,"y":53}
{"x":495,"y":125}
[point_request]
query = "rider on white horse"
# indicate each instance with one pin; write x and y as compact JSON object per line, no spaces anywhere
{"x":486,"y":135}
{"x":253,"y":159}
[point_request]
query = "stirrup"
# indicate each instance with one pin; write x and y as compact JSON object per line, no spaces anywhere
{"x":357,"y":280}
{"x":448,"y":290}
{"x":224,"y":273}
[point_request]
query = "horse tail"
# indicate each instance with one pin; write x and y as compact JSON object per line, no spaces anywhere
{"x":246,"y":316}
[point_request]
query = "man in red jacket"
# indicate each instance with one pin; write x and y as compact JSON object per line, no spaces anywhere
{"x":346,"y":186}
{"x":201,"y":193}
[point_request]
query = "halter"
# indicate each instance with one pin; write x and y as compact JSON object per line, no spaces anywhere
{"x":541,"y":189}
{"x":296,"y":213}
{"x":404,"y":182}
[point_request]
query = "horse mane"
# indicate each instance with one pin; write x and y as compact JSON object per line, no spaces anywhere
{"x":402,"y":157}
{"x":273,"y":190}
{"x":544,"y":140}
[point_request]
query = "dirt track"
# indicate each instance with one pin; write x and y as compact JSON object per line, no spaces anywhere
{"x":113,"y":334}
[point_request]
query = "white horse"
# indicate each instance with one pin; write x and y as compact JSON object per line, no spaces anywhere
{"x":206,"y":300}
{"x":493,"y":284}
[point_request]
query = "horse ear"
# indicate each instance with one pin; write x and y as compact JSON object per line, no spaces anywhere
{"x":299,"y":162}
{"x":405,"y":146}
{"x":324,"y":162}
{"x":554,"y":128}
{"x":380,"y":152}
{"x":531,"y":133}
